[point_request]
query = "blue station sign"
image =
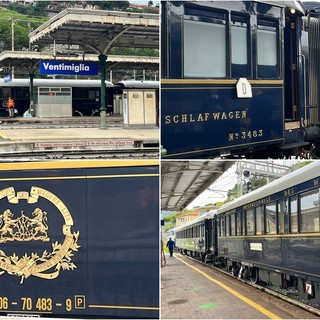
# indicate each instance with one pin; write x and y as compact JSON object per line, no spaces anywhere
{"x":68,"y":67}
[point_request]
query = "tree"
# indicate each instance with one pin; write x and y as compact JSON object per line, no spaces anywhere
{"x":22,"y":27}
{"x":35,"y":10}
{"x":256,"y":182}
{"x":170,"y":220}
{"x":111,"y":5}
{"x":150,"y":3}
{"x":134,"y":52}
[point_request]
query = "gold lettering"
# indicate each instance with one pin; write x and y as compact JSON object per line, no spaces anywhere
{"x":230,"y":136}
{"x":200,"y":117}
{"x":216,"y":116}
{"x":184,"y":118}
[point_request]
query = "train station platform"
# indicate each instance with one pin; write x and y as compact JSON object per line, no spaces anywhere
{"x":190,"y":290}
{"x":37,"y":135}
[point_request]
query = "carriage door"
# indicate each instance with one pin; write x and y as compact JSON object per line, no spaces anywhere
{"x":314,"y":68}
{"x":290,"y":66}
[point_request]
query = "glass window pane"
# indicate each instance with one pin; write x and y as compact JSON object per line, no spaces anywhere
{"x":243,"y":223}
{"x":233,"y":225}
{"x":223,"y":228}
{"x":239,"y":50}
{"x":282,"y":217}
{"x":267,"y":47}
{"x":238,"y":223}
{"x":271,"y":218}
{"x":202,"y":56}
{"x":259,"y":220}
{"x":250,"y":222}
{"x":310,"y":212}
{"x":227,"y":226}
{"x":294,"y":214}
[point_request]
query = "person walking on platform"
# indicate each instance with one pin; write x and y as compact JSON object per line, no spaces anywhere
{"x":171,"y":245}
{"x":11,"y":107}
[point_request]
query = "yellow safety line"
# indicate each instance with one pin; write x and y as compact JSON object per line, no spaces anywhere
{"x":4,"y":136}
{"x":235,"y":293}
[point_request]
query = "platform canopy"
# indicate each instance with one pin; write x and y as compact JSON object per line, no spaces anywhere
{"x":183,"y":181}
{"x":99,"y":30}
{"x":28,"y":60}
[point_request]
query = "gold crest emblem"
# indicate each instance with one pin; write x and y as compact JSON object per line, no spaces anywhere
{"x":35,"y":228}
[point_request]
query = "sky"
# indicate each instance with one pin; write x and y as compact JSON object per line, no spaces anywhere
{"x":218,"y":191}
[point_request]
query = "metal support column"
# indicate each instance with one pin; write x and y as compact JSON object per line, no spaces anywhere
{"x":31,"y":94}
{"x":103,"y":59}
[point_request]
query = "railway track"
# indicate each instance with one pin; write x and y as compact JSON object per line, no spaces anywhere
{"x":287,"y":295}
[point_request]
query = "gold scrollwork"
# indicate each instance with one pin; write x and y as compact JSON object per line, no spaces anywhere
{"x":24,"y":228}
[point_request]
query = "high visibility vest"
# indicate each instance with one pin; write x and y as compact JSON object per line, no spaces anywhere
{"x":10,"y":103}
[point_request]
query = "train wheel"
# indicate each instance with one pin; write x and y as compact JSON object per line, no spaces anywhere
{"x":95,"y":112}
{"x":254,"y":275}
{"x":78,"y":113}
{"x":315,"y":151}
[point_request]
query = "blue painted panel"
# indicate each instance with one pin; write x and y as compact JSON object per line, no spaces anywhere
{"x":198,"y":121}
{"x":97,"y":250}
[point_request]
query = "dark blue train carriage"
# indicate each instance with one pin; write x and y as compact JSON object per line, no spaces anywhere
{"x":271,"y":235}
{"x":239,"y":78}
{"x":79,"y":239}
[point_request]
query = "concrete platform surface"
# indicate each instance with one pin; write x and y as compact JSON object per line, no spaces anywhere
{"x":195,"y":291}
{"x":42,"y":138}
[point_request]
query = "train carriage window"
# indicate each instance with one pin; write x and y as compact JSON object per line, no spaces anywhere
{"x":271,"y":218}
{"x":239,"y":46}
{"x":267,"y":50}
{"x":204,"y":48}
{"x":227,"y":225}
{"x":238,"y":214}
{"x":283,"y":225}
{"x":250,"y":222}
{"x":243,"y":213}
{"x":222,"y":226}
{"x":293,"y":215}
{"x":232,"y":225}
{"x":259,"y":220}
{"x":309,"y":205}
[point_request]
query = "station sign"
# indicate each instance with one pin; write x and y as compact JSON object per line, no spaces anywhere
{"x":68,"y":67}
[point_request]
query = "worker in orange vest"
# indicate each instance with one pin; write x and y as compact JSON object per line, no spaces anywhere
{"x":11,"y":107}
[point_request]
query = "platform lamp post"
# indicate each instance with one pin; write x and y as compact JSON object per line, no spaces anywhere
{"x":102,"y":60}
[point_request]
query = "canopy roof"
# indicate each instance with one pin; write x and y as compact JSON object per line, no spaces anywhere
{"x":100,"y":30}
{"x":183,"y":181}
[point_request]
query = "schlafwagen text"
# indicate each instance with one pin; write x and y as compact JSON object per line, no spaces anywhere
{"x":204,"y":117}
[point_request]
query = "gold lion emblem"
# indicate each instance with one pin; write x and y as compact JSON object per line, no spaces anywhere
{"x":35,"y":228}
